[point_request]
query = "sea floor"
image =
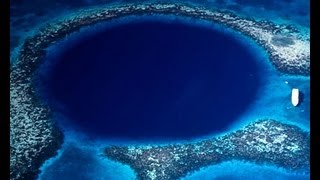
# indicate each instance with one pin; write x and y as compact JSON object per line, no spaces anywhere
{"x":81,"y":156}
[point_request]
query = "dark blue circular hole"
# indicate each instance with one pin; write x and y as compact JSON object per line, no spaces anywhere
{"x":153,"y":80}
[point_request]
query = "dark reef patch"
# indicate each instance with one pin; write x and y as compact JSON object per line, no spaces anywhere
{"x":282,"y":41}
{"x":152,"y":79}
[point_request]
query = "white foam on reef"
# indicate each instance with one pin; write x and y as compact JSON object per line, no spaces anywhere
{"x":244,"y":170}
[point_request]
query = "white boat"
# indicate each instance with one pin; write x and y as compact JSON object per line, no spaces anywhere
{"x":295,"y":96}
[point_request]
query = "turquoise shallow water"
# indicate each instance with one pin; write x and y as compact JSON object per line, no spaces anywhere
{"x":80,"y":156}
{"x":244,"y":170}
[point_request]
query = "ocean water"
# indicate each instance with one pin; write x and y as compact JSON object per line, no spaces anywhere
{"x":153,"y":79}
{"x":174,"y":80}
{"x":81,"y":162}
{"x":244,"y":170}
{"x":272,"y":92}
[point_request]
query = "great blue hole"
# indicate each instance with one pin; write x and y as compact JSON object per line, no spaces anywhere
{"x":149,"y":80}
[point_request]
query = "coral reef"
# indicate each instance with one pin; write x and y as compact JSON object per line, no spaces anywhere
{"x":261,"y":142}
{"x":288,"y":49}
{"x":33,"y":135}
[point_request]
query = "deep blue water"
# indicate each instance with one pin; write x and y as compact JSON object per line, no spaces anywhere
{"x":153,"y":80}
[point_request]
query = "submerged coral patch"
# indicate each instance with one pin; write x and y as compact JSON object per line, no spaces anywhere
{"x":279,"y":40}
{"x":261,"y":142}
